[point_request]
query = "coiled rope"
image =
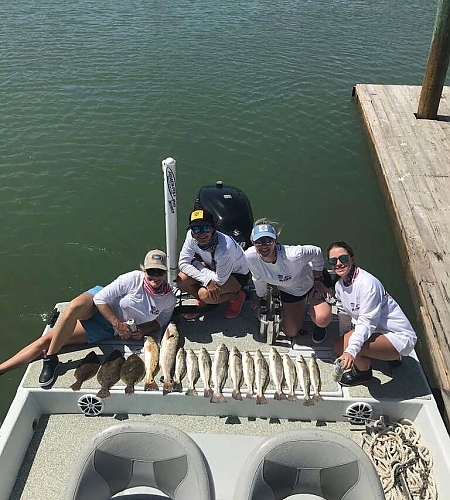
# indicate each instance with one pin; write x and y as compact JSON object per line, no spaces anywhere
{"x":403,"y":463}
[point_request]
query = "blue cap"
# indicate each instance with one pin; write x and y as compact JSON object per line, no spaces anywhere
{"x":262,"y":230}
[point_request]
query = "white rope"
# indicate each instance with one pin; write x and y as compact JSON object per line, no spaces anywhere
{"x":396,"y":450}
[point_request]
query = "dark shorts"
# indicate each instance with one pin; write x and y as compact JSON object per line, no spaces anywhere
{"x":290,"y":299}
{"x":242,"y":279}
{"x":97,"y":328}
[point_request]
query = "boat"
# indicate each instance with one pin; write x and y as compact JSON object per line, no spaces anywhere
{"x":371,"y":441}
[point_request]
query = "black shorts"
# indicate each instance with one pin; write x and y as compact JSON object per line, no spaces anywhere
{"x":290,"y":299}
{"x":242,"y":279}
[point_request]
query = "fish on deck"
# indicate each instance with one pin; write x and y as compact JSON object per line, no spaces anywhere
{"x":220,"y":373}
{"x":132,"y":372}
{"x":109,"y":373}
{"x":151,"y":361}
{"x":167,"y":356}
{"x":86,"y":370}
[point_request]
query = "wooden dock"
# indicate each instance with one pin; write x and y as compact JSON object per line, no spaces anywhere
{"x":413,"y":167}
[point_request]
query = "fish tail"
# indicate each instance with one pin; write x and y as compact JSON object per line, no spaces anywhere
{"x":177,"y":387}
{"x":151,"y":386}
{"x":218,"y":397}
{"x":129,"y":389}
{"x":103,"y":393}
{"x":76,"y":386}
{"x":261,"y":400}
{"x":167,"y":388}
{"x":191,"y":392}
{"x":279,"y":395}
{"x":236,"y":395}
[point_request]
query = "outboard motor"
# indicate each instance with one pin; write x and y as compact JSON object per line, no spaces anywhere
{"x":231,"y":209}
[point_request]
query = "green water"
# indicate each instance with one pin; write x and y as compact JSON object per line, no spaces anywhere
{"x":255,"y":93}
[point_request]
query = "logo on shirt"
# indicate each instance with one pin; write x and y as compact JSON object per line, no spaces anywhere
{"x":154,"y":310}
{"x":354,"y":307}
{"x":283,"y":278}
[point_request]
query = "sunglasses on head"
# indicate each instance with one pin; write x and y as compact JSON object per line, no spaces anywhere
{"x":343,"y":259}
{"x":155,"y":273}
{"x":264,"y":241}
{"x":201,"y":229}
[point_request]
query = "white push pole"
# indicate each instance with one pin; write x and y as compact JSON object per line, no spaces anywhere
{"x":170,"y":203}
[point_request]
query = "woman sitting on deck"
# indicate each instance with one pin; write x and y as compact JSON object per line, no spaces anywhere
{"x":297,"y":271}
{"x":101,"y":313}
{"x":379,"y":328}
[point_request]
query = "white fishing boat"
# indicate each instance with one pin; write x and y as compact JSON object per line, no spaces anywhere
{"x":372,"y":441}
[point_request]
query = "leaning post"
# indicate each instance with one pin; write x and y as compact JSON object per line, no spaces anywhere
{"x":437,"y":65}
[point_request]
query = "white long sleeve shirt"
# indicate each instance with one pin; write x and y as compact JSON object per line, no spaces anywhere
{"x":291,"y":273}
{"x":128,"y":299}
{"x":229,"y":258}
{"x":372,"y":310}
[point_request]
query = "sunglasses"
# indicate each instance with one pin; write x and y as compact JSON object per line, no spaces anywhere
{"x":264,"y":241}
{"x":343,"y":259}
{"x":155,"y":273}
{"x":201,"y":229}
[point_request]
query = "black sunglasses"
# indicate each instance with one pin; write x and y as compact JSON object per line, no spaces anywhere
{"x":343,"y":259}
{"x":155,"y":273}
{"x":201,"y":229}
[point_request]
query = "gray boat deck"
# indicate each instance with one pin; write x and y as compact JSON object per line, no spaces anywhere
{"x":412,"y":160}
{"x":52,"y":451}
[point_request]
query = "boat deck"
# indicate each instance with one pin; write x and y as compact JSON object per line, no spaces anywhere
{"x":234,"y":424}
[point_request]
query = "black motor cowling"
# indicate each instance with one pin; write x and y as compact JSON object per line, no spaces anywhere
{"x":231,"y":209}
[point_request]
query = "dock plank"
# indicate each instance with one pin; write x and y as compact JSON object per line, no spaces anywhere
{"x":413,"y":167}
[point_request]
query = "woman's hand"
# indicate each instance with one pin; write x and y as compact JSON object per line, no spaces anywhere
{"x":122,"y":330}
{"x":347,"y":360}
{"x":137,"y":335}
{"x":213,"y":290}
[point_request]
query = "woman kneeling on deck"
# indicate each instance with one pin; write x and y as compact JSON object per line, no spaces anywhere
{"x":378,"y":328}
{"x":101,"y":313}
{"x":297,"y":271}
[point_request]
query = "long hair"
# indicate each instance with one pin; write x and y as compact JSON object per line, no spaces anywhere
{"x":340,"y":244}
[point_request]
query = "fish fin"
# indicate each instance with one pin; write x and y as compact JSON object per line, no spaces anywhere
{"x":292,"y":397}
{"x":177,"y":387}
{"x":103,"y":393}
{"x":129,"y":389}
{"x":167,"y":388}
{"x":76,"y":386}
{"x":236,"y":395}
{"x":151,"y":386}
{"x":261,"y":400}
{"x":207,"y":393}
{"x":218,"y":397}
{"x":191,"y":392}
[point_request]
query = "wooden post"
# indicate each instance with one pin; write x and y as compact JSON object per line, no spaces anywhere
{"x":437,"y":65}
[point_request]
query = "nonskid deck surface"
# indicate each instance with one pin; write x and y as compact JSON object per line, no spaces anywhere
{"x":219,"y":429}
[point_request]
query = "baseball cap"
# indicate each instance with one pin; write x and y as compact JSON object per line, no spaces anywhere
{"x":155,"y":259}
{"x":200,"y":217}
{"x":262,"y":230}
